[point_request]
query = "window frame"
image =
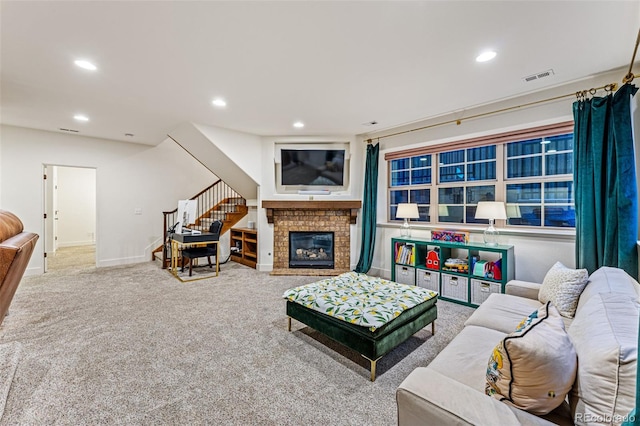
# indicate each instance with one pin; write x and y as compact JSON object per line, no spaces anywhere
{"x":500,"y":182}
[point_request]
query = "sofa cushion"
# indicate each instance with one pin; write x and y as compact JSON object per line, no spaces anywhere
{"x":502,"y":312}
{"x":609,"y":280}
{"x":463,"y":359}
{"x":605,"y":335}
{"x":534,"y":367}
{"x":562,"y":286}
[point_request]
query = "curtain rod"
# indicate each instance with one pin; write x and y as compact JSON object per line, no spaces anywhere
{"x":611,"y":87}
{"x":629,"y":77}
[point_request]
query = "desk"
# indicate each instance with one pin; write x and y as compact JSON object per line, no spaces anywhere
{"x":180,"y":241}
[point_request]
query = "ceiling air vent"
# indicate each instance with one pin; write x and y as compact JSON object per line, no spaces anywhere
{"x":69,"y":130}
{"x":538,"y":76}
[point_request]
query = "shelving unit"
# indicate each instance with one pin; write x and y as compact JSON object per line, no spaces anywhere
{"x":475,"y":271}
{"x":244,"y":246}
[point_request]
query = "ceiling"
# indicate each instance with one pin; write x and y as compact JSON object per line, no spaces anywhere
{"x":333,"y":65}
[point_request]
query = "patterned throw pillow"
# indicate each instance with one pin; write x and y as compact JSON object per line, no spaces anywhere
{"x":534,"y":367}
{"x":562,"y":286}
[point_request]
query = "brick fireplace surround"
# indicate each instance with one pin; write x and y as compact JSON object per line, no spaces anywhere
{"x":336,"y":216}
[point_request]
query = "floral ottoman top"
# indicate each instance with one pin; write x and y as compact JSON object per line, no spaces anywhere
{"x":359,"y":299}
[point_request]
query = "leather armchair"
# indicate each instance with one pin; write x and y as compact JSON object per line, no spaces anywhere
{"x":16,"y":248}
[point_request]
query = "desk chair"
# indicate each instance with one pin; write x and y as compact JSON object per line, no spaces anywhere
{"x":208,"y":251}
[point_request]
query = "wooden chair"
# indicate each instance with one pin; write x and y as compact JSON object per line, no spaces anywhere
{"x":208,"y":251}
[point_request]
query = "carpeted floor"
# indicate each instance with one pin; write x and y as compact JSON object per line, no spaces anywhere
{"x":133,"y":345}
{"x":74,"y":257}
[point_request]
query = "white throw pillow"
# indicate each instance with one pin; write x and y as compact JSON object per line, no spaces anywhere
{"x":562,"y":286}
{"x":534,"y":367}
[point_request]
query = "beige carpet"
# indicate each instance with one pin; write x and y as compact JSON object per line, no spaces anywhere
{"x":75,"y":257}
{"x":133,"y":345}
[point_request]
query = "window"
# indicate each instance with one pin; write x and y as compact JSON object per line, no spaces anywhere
{"x":410,"y":180}
{"x":531,"y":170}
{"x":457,"y":204}
{"x":542,"y":190}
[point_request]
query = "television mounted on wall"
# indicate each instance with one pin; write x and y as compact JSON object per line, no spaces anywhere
{"x":312,"y":167}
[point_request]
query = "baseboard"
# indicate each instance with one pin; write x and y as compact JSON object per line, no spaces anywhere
{"x":37,"y":270}
{"x":123,"y":261}
{"x":76,"y":244}
{"x":381,"y":272}
{"x":263,"y":267}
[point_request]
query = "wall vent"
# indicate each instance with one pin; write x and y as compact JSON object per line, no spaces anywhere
{"x":538,"y":76}
{"x":68,"y":130}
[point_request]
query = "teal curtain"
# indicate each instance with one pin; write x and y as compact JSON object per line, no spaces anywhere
{"x":369,"y":215}
{"x":606,"y":194}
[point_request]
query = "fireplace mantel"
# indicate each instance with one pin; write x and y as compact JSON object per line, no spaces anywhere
{"x":352,"y":205}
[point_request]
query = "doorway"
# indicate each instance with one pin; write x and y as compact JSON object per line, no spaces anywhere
{"x":70,"y":217}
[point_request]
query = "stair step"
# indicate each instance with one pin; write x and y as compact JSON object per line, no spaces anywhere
{"x":214,"y":216}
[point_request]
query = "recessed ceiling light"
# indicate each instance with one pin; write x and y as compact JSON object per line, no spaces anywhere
{"x":81,"y":117}
{"x":298,"y":124}
{"x":85,"y":64}
{"x":486,"y":56}
{"x":219,"y":102}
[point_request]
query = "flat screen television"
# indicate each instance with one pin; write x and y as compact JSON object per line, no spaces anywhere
{"x":312,"y":167}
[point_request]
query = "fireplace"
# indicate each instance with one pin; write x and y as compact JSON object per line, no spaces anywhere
{"x":311,"y":249}
{"x":336,"y":216}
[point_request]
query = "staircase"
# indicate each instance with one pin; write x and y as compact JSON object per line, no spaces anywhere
{"x":229,"y":211}
{"x":216,"y":202}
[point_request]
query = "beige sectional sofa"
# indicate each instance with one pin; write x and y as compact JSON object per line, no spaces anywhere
{"x":604,"y":333}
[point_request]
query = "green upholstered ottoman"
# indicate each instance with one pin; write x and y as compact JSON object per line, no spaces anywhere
{"x":369,"y":315}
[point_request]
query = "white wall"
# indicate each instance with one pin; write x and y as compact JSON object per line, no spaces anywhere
{"x":76,"y":217}
{"x":268,"y":191}
{"x":535,"y":252}
{"x":241,"y":148}
{"x":129,"y":177}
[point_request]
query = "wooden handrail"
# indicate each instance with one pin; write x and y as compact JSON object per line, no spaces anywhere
{"x":206,"y":189}
{"x":210,"y":199}
{"x":195,"y":196}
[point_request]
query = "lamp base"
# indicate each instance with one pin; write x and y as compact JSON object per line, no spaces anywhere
{"x":491,"y":235}
{"x":405,"y":230}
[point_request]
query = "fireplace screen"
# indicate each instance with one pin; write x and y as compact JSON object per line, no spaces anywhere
{"x":311,"y":249}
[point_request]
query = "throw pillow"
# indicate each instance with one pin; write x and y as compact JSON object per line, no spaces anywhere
{"x":562,"y":286}
{"x":534,"y":367}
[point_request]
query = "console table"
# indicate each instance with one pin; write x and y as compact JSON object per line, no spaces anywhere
{"x":180,"y":241}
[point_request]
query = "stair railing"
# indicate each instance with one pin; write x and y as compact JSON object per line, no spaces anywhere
{"x":218,"y":197}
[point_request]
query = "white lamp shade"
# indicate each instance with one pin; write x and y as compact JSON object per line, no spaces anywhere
{"x":443,"y":210}
{"x":407,"y":211}
{"x":491,"y":210}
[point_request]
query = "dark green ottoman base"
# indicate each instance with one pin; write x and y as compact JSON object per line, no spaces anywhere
{"x":370,"y":344}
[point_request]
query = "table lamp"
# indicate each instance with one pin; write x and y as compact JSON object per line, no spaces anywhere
{"x":491,"y":210}
{"x":407,"y":211}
